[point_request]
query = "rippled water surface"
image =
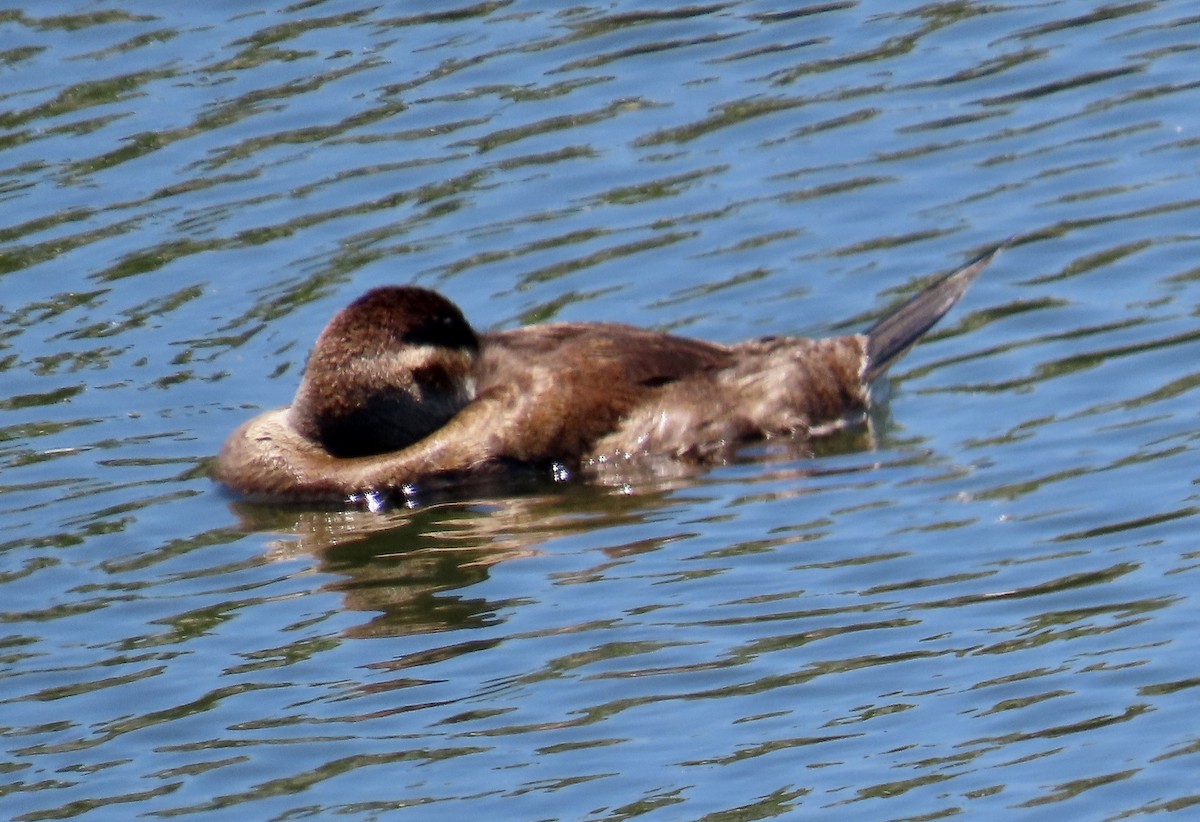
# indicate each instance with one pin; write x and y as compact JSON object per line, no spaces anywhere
{"x":984,"y":603}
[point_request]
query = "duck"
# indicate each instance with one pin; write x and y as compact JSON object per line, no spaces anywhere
{"x":399,"y":391}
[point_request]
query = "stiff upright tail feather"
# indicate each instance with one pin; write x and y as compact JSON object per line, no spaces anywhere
{"x":890,"y":338}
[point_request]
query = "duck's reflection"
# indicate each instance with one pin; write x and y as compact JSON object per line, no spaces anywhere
{"x":411,"y":566}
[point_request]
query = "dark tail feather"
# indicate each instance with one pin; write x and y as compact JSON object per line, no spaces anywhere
{"x":890,"y":338}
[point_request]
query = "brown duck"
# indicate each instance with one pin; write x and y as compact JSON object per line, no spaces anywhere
{"x":399,"y":390}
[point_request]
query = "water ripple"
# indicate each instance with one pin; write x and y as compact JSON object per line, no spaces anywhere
{"x":978,"y":602}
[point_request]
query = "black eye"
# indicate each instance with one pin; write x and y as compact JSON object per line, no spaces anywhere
{"x":445,"y":330}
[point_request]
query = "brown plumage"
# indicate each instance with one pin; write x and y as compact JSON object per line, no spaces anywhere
{"x":400,"y":390}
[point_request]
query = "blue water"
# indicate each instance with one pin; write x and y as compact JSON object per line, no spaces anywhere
{"x":980,"y":603}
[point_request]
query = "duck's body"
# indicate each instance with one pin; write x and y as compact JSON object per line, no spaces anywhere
{"x":400,"y":390}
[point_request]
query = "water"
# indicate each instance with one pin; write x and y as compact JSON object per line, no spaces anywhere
{"x":982,"y":604}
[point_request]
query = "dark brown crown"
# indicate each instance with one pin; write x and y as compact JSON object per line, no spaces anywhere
{"x":395,"y":315}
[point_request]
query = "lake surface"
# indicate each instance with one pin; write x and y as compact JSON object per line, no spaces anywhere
{"x":982,"y":603}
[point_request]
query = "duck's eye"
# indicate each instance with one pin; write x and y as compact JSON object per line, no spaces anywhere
{"x":442,"y":330}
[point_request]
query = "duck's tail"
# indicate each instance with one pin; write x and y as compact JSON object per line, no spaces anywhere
{"x":891,"y":337}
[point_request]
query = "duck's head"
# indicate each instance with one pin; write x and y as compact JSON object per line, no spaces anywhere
{"x":389,"y":369}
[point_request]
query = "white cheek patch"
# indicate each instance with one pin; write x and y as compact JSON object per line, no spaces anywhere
{"x":406,"y":359}
{"x":452,"y":388}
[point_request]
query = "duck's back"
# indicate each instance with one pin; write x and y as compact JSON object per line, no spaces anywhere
{"x":597,"y":391}
{"x":559,"y":388}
